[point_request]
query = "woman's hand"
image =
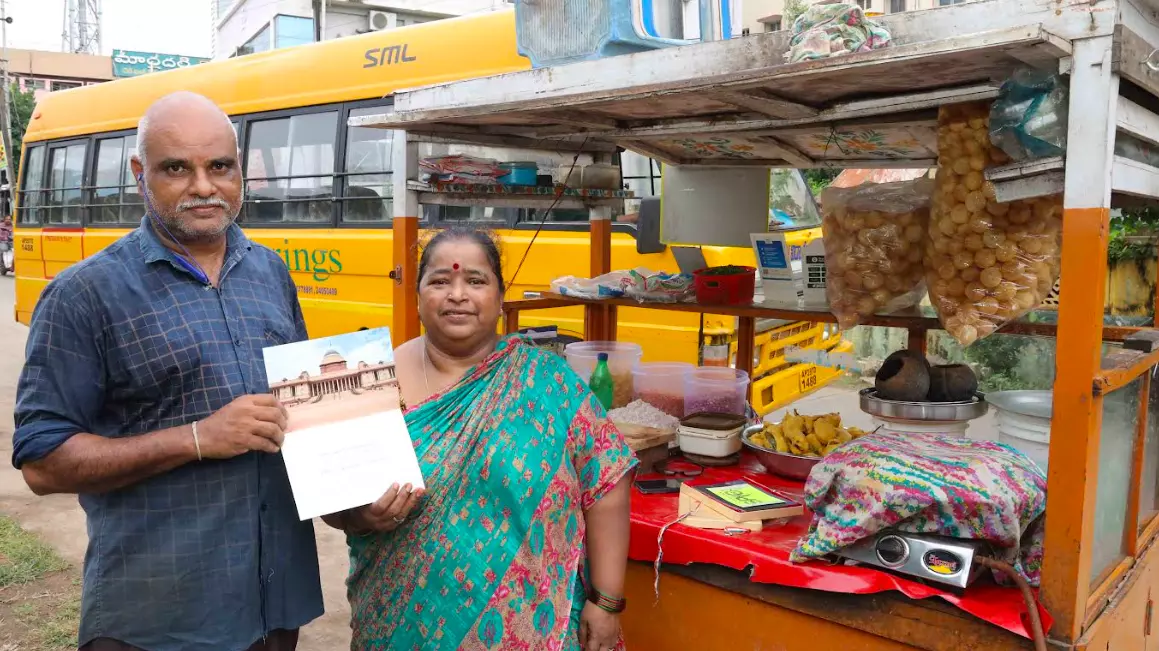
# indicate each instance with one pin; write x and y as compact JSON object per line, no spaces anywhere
{"x":599,"y":630}
{"x":387,"y":513}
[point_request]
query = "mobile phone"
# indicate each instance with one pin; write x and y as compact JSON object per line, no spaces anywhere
{"x":654,"y":486}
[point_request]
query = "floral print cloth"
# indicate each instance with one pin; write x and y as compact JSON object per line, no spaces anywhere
{"x":826,"y":30}
{"x":493,"y":557}
{"x":927,"y":483}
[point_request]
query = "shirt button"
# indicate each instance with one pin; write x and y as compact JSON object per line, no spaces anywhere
{"x":265,"y":507}
{"x":237,"y":342}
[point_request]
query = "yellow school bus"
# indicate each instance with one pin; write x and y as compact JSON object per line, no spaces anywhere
{"x":319,"y":192}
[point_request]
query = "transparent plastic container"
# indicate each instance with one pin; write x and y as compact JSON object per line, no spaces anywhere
{"x":716,"y":390}
{"x":661,"y":384}
{"x":622,"y":359}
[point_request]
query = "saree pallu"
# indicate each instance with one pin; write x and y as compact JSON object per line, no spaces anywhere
{"x":512,"y":455}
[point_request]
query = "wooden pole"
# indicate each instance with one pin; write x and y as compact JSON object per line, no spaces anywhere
{"x":1072,"y":477}
{"x":596,"y":316}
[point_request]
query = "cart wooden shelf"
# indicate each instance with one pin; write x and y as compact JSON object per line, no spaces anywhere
{"x":740,"y":103}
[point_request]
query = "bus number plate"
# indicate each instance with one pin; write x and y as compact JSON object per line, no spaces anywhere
{"x":808,"y":379}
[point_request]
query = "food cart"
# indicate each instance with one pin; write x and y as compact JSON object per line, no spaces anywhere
{"x":692,"y":105}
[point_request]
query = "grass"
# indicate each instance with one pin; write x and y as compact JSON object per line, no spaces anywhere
{"x":39,"y":593}
{"x":23,"y":557}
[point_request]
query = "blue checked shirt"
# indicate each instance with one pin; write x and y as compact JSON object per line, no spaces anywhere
{"x":209,"y":556}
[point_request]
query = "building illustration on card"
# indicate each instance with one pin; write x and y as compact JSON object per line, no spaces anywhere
{"x":346,"y":440}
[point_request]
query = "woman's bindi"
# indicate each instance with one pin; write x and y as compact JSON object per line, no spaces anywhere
{"x":455,"y":267}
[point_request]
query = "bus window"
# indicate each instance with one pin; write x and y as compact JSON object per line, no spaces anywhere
{"x":115,"y":198}
{"x":290,"y":169}
{"x":30,"y":196}
{"x":791,"y":203}
{"x":65,"y":178}
{"x":642,"y":176}
{"x":367,"y":190}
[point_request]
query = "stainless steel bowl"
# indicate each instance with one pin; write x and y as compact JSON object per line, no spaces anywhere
{"x":778,"y":463}
{"x":925,"y":411}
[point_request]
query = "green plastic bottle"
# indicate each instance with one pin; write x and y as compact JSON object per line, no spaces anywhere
{"x":601,"y":382}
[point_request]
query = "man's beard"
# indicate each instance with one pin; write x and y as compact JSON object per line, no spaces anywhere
{"x":178,"y":229}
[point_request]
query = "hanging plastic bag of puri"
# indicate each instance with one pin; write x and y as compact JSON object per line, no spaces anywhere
{"x":987,"y":263}
{"x":875,"y":231}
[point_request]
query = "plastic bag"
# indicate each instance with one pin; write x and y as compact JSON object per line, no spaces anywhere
{"x":826,"y":30}
{"x":875,"y":229}
{"x":640,"y":284}
{"x":987,"y":263}
{"x":1029,"y":117}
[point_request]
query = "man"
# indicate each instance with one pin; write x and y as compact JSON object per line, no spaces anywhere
{"x":144,"y":392}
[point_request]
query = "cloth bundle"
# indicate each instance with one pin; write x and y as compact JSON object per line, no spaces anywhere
{"x":826,"y":30}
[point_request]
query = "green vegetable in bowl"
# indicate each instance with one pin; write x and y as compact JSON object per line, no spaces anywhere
{"x":726,"y":270}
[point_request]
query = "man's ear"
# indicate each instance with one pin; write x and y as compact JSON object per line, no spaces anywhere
{"x":138,"y":171}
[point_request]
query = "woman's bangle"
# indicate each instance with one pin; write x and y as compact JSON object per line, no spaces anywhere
{"x":609,"y":604}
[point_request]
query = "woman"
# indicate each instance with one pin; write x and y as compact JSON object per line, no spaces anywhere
{"x":521,"y":539}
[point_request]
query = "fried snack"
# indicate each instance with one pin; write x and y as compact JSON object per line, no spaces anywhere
{"x":874,"y":238}
{"x":986,"y":262}
{"x":803,"y":435}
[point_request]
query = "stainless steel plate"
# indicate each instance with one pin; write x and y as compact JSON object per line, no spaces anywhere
{"x":925,"y":411}
{"x":1028,"y":403}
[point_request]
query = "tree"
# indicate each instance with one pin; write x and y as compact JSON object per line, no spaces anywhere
{"x":19,"y":113}
{"x":793,"y":8}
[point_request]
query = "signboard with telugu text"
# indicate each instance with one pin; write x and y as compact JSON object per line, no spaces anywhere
{"x":127,"y":63}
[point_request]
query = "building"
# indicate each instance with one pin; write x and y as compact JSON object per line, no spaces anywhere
{"x":41,"y":72}
{"x":335,"y":378}
{"x":248,"y":26}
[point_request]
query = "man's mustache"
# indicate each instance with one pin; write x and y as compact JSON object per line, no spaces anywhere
{"x":202,"y":203}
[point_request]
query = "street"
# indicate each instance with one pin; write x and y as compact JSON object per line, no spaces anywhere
{"x":59,"y":521}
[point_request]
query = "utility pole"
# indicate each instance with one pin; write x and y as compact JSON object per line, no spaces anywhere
{"x":322,"y":23}
{"x":6,"y":108}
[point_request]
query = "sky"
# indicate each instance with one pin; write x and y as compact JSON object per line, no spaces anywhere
{"x":181,"y":27}
{"x":287,"y":362}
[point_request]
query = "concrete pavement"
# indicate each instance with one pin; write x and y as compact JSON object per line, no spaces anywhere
{"x":59,"y":521}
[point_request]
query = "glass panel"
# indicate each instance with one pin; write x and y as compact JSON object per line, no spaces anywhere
{"x":66,"y":173}
{"x":110,"y":154}
{"x":293,"y":30}
{"x":368,"y":150}
{"x":290,"y":163}
{"x":130,"y":151}
{"x":276,"y":202}
{"x":259,"y":43}
{"x":33,"y":182}
{"x":368,"y":199}
{"x":791,"y":203}
{"x":107,"y":194}
{"x":1116,"y":446}
{"x":268,"y":143}
{"x":1149,"y":481}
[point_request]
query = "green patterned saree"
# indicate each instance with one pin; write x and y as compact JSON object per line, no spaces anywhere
{"x":512,"y":455}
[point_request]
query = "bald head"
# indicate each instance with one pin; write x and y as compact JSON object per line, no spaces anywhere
{"x":177,"y":109}
{"x":187,"y":166}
